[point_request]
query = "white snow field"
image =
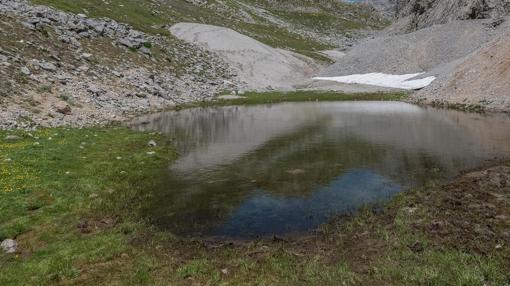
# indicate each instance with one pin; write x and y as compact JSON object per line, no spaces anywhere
{"x":403,"y":81}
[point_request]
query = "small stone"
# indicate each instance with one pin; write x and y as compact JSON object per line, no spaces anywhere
{"x":119,"y":158}
{"x":62,"y":107}
{"x":25,"y":71}
{"x":67,"y":173}
{"x":12,"y":138}
{"x":93,"y":196}
{"x":151,"y":153}
{"x":9,"y":245}
{"x":130,"y":43}
{"x":499,"y":246}
{"x":152,"y":143}
{"x":95,"y":90}
{"x":86,"y":56}
{"x":36,"y":144}
{"x":224,"y":271}
{"x":296,"y":172}
{"x":8,"y":160}
{"x":145,"y":51}
{"x":47,"y":66}
{"x":83,"y":68}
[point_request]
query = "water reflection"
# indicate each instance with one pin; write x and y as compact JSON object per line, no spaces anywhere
{"x":259,"y":170}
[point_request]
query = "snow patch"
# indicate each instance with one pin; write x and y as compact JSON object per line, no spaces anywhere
{"x":384,"y":80}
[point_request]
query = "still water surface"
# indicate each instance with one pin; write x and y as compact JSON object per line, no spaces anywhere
{"x":248,"y":171}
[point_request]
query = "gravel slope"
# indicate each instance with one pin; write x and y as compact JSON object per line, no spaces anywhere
{"x":259,"y":66}
{"x":422,"y":51}
{"x":482,"y":79}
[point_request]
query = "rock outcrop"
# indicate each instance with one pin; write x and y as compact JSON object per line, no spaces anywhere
{"x":417,"y":14}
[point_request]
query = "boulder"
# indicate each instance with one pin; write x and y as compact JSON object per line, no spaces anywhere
{"x":63,"y":107}
{"x":9,"y":246}
{"x":48,"y":66}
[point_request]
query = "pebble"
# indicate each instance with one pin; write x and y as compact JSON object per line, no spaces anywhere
{"x":25,"y":71}
{"x":152,"y":143}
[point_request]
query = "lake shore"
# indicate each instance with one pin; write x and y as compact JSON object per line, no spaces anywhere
{"x":71,"y":198}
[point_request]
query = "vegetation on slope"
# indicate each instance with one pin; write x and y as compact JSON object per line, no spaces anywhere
{"x":303,"y":26}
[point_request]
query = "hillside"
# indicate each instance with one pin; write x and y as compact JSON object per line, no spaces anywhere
{"x":481,"y":80}
{"x":303,"y":26}
{"x":417,"y":14}
{"x":93,"y":62}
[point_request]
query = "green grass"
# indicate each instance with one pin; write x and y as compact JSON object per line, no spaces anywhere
{"x":71,"y":197}
{"x":249,"y":98}
{"x":54,"y":178}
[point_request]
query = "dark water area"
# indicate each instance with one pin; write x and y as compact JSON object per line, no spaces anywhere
{"x":249,"y":171}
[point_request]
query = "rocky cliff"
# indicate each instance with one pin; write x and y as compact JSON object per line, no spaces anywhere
{"x":417,"y":14}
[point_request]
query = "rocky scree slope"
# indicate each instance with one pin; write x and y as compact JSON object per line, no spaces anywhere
{"x":481,"y":80}
{"x":478,"y":80}
{"x":93,"y":62}
{"x":446,"y":42}
{"x":258,"y":66}
{"x":417,"y":14}
{"x":60,"y":68}
{"x":304,"y":26}
{"x":420,"y":51}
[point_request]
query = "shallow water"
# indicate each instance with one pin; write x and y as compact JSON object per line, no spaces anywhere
{"x":248,"y":171}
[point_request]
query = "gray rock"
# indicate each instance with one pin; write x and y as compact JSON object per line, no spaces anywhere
{"x":9,"y":245}
{"x":25,"y":71}
{"x":130,"y":43}
{"x":63,"y":108}
{"x":152,"y":143}
{"x":95,"y":90}
{"x":64,"y":79}
{"x":86,"y":56}
{"x":12,"y":138}
{"x":145,"y":51}
{"x":47,"y":66}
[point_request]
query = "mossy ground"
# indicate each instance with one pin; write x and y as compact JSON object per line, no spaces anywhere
{"x":70,"y":197}
{"x":299,"y":96}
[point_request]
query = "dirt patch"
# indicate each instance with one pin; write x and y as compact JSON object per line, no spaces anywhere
{"x":472,"y":214}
